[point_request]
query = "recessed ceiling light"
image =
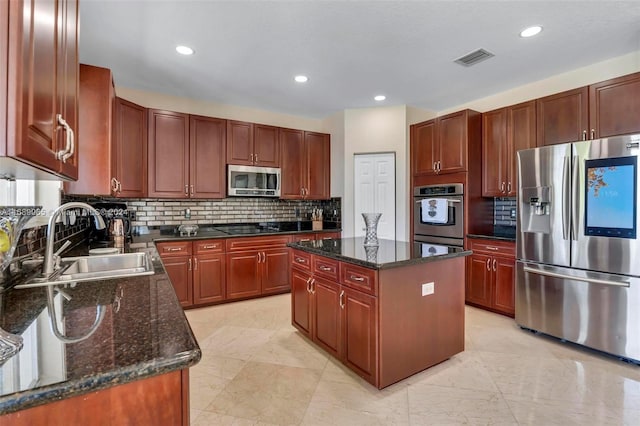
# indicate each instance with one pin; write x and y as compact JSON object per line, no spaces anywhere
{"x":531,"y":31}
{"x":380,"y":98}
{"x":184,"y":50}
{"x":301,"y":78}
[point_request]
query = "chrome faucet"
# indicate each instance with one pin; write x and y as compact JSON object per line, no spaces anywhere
{"x":48,"y":266}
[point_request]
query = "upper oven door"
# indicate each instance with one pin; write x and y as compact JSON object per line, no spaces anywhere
{"x":604,"y":214}
{"x":452,"y":228}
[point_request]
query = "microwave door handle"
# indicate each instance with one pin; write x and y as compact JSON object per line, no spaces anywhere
{"x":566,"y":198}
{"x":575,"y":193}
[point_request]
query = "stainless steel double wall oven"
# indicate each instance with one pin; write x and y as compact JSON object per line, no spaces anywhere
{"x":450,"y":232}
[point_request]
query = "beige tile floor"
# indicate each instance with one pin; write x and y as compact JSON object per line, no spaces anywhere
{"x":257,"y":370}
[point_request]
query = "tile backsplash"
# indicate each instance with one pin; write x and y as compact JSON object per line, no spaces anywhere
{"x":154,"y":212}
{"x":502,"y":208}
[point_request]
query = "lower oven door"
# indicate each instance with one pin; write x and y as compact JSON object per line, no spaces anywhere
{"x":452,"y":228}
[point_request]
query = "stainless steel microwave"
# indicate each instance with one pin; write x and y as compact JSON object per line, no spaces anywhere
{"x":252,"y":181}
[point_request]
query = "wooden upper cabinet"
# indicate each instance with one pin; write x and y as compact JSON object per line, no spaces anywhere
{"x":95,"y":132}
{"x":168,"y":154}
{"x":563,"y":117}
{"x":292,"y":163}
{"x":266,"y":146}
{"x":239,"y":143}
{"x":129,"y":166}
{"x":423,"y":148}
{"x":494,"y":153}
{"x":521,"y":134}
{"x":318,"y":165}
{"x":504,"y":132}
{"x":452,"y":142}
{"x":42,"y":75}
{"x":207,"y":157}
{"x":252,"y":144}
{"x":614,"y":106}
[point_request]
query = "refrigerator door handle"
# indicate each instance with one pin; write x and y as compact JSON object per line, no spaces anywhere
{"x":575,"y":171}
{"x":576,"y":278}
{"x":566,"y":199}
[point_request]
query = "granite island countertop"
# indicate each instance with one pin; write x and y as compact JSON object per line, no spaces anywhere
{"x":387,"y":254}
{"x":142,"y":332}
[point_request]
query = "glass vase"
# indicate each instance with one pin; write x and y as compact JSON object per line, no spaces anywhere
{"x":371,"y":232}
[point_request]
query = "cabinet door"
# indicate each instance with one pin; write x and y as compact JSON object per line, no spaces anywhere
{"x":503,"y":275}
{"x":478,"y":285}
{"x":292,"y":156}
{"x":318,"y":166}
{"x":494,"y":152}
{"x":563,"y":117}
{"x":452,"y":142}
{"x":243,"y":274}
{"x":614,"y":106}
{"x":168,"y":154}
{"x":208,"y":278}
{"x":179,"y":271}
{"x":68,"y":81}
{"x":239,"y":143}
{"x":207,"y":147}
{"x":266,"y":146}
{"x":326,"y":315}
{"x":359,"y":329}
{"x":32,"y":82}
{"x":423,"y":148}
{"x":521,"y":134}
{"x":275,"y":270}
{"x":300,"y":302}
{"x":130,"y":149}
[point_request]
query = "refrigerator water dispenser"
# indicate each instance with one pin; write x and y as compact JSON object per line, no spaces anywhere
{"x":536,"y":206}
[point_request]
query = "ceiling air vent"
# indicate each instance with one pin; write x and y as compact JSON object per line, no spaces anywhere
{"x":474,"y":57}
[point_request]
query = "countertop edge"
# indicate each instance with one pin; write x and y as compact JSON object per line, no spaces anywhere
{"x":158,"y":238}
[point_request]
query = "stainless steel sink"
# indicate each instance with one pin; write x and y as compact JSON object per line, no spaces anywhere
{"x":92,"y":268}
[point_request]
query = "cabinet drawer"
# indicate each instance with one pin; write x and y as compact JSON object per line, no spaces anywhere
{"x":328,"y":236}
{"x":326,"y":267}
{"x":359,"y":278}
{"x":504,"y":248}
{"x":303,"y":237}
{"x":301,"y":260}
{"x":174,"y":248}
{"x":256,"y":243}
{"x":209,"y":246}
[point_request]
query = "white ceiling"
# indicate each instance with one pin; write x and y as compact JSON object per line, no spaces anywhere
{"x":247,"y":52}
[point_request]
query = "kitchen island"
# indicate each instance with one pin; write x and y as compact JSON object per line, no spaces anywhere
{"x":386,"y":311}
{"x":111,"y":352}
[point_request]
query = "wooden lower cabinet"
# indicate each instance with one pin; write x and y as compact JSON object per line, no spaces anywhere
{"x":384,"y":331}
{"x":158,"y":400}
{"x":490,"y":276}
{"x":208,"y":278}
{"x":243,"y":273}
{"x":275,"y":271}
{"x":179,"y":271}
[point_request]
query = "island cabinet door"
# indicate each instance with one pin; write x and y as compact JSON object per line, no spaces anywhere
{"x":243,"y":274}
{"x":359,"y":330}
{"x":301,"y":301}
{"x":326,"y":315}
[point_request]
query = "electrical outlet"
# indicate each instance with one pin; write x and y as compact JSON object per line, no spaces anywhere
{"x":428,"y":288}
{"x":513,"y":213}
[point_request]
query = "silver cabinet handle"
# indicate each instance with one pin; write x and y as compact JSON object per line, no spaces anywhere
{"x":186,"y":190}
{"x":593,"y":133}
{"x":325,"y":268}
{"x":60,"y":155}
{"x":502,"y":187}
{"x":119,"y":187}
{"x":209,"y":246}
{"x":584,"y":135}
{"x":355,"y":278}
{"x":488,"y":264}
{"x":258,"y":257}
{"x":191,"y":190}
{"x":304,"y":239}
{"x":341,"y":301}
{"x":114,"y":185}
{"x":509,"y":187}
{"x":492,"y":248}
{"x":256,"y":158}
{"x":195,"y":263}
{"x":313,"y":285}
{"x":494,"y":265}
{"x":173,"y":248}
{"x":300,"y":260}
{"x":309,"y":285}
{"x":435,"y":167}
{"x":439,"y":166}
{"x":71,"y":136}
{"x":189,"y":263}
{"x":264,"y":257}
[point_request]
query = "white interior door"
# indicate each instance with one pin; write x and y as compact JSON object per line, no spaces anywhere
{"x":375,"y":192}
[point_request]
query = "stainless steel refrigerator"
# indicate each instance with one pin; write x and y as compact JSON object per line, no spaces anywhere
{"x":578,"y":268}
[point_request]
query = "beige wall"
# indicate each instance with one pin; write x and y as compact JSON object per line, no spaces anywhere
{"x":212,"y":109}
{"x":334,"y":125}
{"x":579,"y":77}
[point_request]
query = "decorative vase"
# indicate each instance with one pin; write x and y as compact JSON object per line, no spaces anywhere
{"x":371,"y":233}
{"x":371,"y":253}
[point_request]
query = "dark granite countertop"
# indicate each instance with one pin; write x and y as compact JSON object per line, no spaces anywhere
{"x":501,"y":233}
{"x":143,"y":332}
{"x":388,"y":254}
{"x":230,"y":230}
